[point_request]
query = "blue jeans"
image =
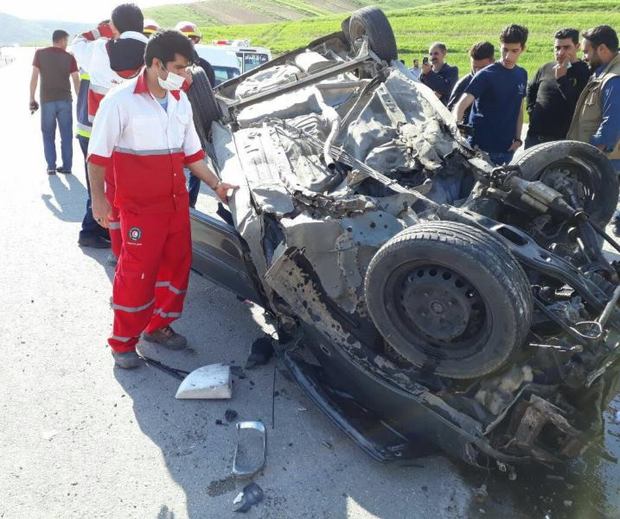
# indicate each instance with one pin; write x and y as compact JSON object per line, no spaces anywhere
{"x":499,"y":158}
{"x":51,"y":112}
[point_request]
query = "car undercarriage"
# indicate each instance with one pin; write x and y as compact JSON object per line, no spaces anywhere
{"x":422,"y":296}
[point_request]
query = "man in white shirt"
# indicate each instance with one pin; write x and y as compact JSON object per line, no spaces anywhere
{"x":144,"y":129}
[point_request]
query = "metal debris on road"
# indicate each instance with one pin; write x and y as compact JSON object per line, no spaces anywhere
{"x":209,"y":382}
{"x":251,"y":495}
{"x":231,"y":415}
{"x":250,"y":450}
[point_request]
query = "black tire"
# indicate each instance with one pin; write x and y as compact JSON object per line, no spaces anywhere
{"x":372,"y":23}
{"x":579,"y":161}
{"x":449,"y":270}
{"x":204,"y":106}
{"x":344,"y":26}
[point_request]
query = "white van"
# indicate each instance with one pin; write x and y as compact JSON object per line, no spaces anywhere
{"x":249,"y":57}
{"x":225,"y":62}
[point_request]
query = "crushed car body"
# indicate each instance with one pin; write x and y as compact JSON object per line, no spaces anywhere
{"x":422,"y":296}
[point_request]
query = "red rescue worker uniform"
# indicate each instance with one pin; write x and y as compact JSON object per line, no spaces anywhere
{"x":148,"y":147}
{"x":108,"y":62}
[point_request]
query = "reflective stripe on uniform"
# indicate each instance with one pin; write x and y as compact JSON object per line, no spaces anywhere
{"x":114,"y":225}
{"x":85,"y":76}
{"x":166,"y":151}
{"x":159,"y":311}
{"x":99,"y":89}
{"x":169,"y":286}
{"x":133,"y":309}
{"x":84,"y":129}
{"x":121,"y":339}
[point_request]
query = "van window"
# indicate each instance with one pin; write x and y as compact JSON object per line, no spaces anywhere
{"x":252,"y":60}
{"x":224,"y":73}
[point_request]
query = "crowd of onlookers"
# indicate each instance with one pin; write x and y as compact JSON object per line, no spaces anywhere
{"x":568,"y":98}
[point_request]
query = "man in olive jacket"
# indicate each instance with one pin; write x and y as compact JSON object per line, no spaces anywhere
{"x":597,"y":114}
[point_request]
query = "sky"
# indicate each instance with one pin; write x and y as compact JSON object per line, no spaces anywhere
{"x":71,"y":10}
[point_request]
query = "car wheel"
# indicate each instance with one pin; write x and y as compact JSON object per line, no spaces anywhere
{"x":204,"y":105}
{"x":579,"y":171}
{"x":372,"y":23}
{"x":449,"y":298}
{"x":344,"y":26}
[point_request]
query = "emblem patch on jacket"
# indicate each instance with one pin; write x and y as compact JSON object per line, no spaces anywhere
{"x":135,"y":233}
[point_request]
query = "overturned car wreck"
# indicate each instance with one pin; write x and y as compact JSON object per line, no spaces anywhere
{"x":415,"y":287}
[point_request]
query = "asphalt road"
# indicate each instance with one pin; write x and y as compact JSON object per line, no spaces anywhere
{"x":79,"y":438}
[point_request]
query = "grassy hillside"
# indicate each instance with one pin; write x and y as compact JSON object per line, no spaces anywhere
{"x":458,"y":23}
{"x":34,"y":32}
{"x":211,"y":12}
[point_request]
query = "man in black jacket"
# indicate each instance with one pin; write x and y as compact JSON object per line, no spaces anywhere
{"x":437,"y":74}
{"x":553,"y":93}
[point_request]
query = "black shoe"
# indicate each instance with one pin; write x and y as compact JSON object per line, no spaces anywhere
{"x":64,"y":171}
{"x":51,"y":171}
{"x":93,"y":241}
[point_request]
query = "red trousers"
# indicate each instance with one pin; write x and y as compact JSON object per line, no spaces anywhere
{"x":151,"y":275}
{"x":114,"y":229}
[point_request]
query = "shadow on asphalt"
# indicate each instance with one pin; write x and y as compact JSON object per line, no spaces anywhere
{"x":101,"y":257}
{"x":70,"y":197}
{"x":586,"y":488}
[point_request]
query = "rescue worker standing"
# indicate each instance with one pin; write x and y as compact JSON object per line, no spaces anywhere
{"x":111,"y":54}
{"x":150,"y":27}
{"x":91,"y":234}
{"x":146,"y":131}
{"x":190,"y":30}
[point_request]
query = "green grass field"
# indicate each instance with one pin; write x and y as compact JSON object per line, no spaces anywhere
{"x":458,"y":23}
{"x":211,"y":12}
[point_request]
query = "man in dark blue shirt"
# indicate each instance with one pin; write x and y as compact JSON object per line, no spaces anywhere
{"x":481,"y":55}
{"x":497,"y":93}
{"x":438,"y":75}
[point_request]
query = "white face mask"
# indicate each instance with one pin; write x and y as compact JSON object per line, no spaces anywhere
{"x":172,"y":82}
